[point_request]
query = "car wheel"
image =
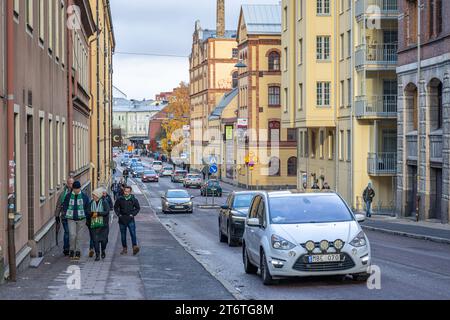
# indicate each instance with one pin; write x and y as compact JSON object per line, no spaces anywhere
{"x":361,"y":277}
{"x":222,"y":237}
{"x":230,"y":240}
{"x":265,"y":273}
{"x":249,"y":267}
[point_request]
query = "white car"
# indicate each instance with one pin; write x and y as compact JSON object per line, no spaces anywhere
{"x":157,"y":166}
{"x":290,"y":233}
{"x":167,"y":172}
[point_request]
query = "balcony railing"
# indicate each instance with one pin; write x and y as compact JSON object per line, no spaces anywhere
{"x":411,"y":147}
{"x":382,"y":163}
{"x":382,"y":7}
{"x":376,"y":106}
{"x":436,"y":148}
{"x":377,"y":54}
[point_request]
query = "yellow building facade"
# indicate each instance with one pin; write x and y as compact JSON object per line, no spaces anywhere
{"x":266,"y":153}
{"x":102,"y":49}
{"x":340,"y":93}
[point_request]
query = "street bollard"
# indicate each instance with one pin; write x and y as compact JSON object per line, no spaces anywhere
{"x":2,"y":267}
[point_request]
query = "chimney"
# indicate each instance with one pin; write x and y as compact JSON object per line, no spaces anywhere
{"x":220,"y":19}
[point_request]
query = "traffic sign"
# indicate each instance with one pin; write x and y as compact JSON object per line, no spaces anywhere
{"x":212,"y":160}
{"x":213,"y":169}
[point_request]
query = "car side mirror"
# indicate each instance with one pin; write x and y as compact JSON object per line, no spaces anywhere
{"x":253,"y":222}
{"x":360,"y":217}
{"x":225,"y":207}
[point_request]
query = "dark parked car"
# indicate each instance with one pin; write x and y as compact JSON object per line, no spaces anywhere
{"x":232,"y":217}
{"x":177,"y":201}
{"x":150,"y":176}
{"x":179,"y":176}
{"x":211,"y":188}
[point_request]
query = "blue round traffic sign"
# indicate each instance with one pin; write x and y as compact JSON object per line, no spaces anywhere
{"x":213,"y":169}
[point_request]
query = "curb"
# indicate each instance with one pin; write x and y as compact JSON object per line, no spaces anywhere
{"x":409,"y":235}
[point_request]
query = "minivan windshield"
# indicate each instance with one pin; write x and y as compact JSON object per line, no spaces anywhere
{"x":304,"y":208}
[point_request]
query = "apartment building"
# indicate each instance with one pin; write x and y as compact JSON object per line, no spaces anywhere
{"x":423,"y":187}
{"x":340,"y":92}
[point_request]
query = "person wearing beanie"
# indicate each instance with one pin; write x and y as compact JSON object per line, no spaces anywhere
{"x":76,"y":208}
{"x":99,"y":220}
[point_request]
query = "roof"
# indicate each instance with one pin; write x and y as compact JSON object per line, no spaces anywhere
{"x":262,"y":19}
{"x":226,"y":100}
{"x":207,"y":34}
{"x":125,"y":105}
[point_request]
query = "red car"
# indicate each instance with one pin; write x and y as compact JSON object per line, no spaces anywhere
{"x":150,"y":176}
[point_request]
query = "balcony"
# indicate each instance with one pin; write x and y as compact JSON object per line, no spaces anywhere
{"x":376,"y":107}
{"x":411,"y":147}
{"x":385,"y":9}
{"x":382,"y":164}
{"x":377,"y":57}
{"x":436,"y":148}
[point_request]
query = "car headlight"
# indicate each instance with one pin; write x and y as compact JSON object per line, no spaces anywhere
{"x":189,"y":203}
{"x":281,"y":243}
{"x":359,"y":240}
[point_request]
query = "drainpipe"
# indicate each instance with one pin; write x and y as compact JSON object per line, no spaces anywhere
{"x":419,"y":77}
{"x":10,"y":125}
{"x":98,"y":93}
{"x":70,"y":94}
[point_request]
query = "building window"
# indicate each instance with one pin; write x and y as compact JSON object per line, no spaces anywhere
{"x":342,"y":43}
{"x":323,"y":48}
{"x":286,"y":100}
{"x":51,"y":150}
{"x":330,"y":145}
{"x":440,"y":105}
{"x":41,"y":20}
{"x":438,"y":17}
{"x":235,"y":79}
{"x":411,"y":22}
{"x":321,"y":142}
{"x":16,"y":8}
{"x":274,"y":61}
{"x":349,"y":92}
{"x":292,"y":135}
{"x":300,"y":9}
{"x":58,"y":153}
{"x":292,"y":167}
{"x":57,"y":25}
{"x":286,"y":58}
{"x":323,"y":7}
{"x":274,"y":131}
{"x":306,"y":144}
{"x":349,"y":45}
{"x":17,"y":144}
{"x":302,"y":146}
{"x":341,"y":145}
{"x":341,"y":10}
{"x":63,"y":33}
{"x":274,"y":96}
{"x":342,"y":94}
{"x":64,"y":152}
{"x":29,"y":14}
{"x":42,"y":153}
{"x":349,"y":145}
{"x":285,"y":18}
{"x":313,"y":144}
{"x":300,"y":51}
{"x":274,"y":166}
{"x":235,"y":53}
{"x":50,"y":26}
{"x":323,"y":94}
{"x":300,"y":96}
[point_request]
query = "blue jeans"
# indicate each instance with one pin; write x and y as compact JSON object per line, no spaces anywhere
{"x":123,"y":233}
{"x":368,"y":208}
{"x":66,"y":237}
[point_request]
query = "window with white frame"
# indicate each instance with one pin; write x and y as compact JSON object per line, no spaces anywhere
{"x":300,"y":51}
{"x":29,"y":14}
{"x":50,"y":25}
{"x":58,"y":153}
{"x":342,"y":94}
{"x":323,"y":94}
{"x":349,"y":92}
{"x":323,"y":7}
{"x":51,"y":166}
{"x":300,"y":9}
{"x":342,"y":44}
{"x":62,"y":21}
{"x":300,"y":96}
{"x":17,"y":154}
{"x":16,"y":8}
{"x":64,"y":153}
{"x":321,"y":142}
{"x":330,"y":145}
{"x":349,"y":145}
{"x":323,"y":48}
{"x":41,"y":20}
{"x":42,"y":153}
{"x":341,"y":145}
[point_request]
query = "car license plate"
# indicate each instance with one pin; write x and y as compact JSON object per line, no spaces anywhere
{"x":179,"y":207}
{"x":324,"y":258}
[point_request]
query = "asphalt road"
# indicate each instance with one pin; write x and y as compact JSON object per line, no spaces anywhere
{"x":410,"y":268}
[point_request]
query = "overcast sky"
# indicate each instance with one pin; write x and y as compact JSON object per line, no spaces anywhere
{"x":161,"y":27}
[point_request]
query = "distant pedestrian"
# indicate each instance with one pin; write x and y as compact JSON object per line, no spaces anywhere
{"x":305,"y":186}
{"x":368,"y":196}
{"x":61,"y":218}
{"x":76,"y":208}
{"x":115,"y":188}
{"x":126,"y":208}
{"x":326,"y":186}
{"x":315,"y":185}
{"x":99,"y":221}
{"x":125,"y":174}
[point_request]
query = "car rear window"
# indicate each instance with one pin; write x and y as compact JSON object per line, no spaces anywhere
{"x":242,"y":200}
{"x":298,"y":209}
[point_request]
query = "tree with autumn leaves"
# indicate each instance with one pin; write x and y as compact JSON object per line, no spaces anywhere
{"x":178,"y":116}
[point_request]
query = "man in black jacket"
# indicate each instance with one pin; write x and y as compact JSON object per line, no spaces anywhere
{"x":126,"y":208}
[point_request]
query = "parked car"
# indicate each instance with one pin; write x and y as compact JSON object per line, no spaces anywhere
{"x":150,"y":176}
{"x":157,"y":166}
{"x":193,"y":180}
{"x":138,"y":171}
{"x":166,"y":172}
{"x":178,"y":176}
{"x":211,"y":188}
{"x":177,"y":201}
{"x":292,"y":233}
{"x":232,"y":217}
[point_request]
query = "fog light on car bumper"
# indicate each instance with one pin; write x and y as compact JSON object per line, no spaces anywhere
{"x":277,"y":263}
{"x":365,"y":259}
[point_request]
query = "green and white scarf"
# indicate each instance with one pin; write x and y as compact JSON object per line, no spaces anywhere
{"x":80,"y":207}
{"x":97,"y":207}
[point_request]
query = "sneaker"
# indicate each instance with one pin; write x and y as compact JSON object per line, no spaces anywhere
{"x":135,"y":250}
{"x":91,"y":253}
{"x":66,"y":253}
{"x":71,"y":254}
{"x":77,"y":255}
{"x":103,"y":255}
{"x":124,"y":251}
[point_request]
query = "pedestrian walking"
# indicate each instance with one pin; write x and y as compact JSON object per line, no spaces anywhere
{"x":326,"y":186}
{"x":315,"y":185}
{"x":99,"y":221}
{"x":60,"y":218}
{"x":126,"y":208}
{"x":368,"y":196}
{"x":115,"y":188}
{"x":126,"y":174}
{"x":76,"y":208}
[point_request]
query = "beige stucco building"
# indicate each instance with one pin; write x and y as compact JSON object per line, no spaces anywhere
{"x":340,"y":92}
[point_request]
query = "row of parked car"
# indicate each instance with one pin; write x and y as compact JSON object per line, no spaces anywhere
{"x":293,"y":233}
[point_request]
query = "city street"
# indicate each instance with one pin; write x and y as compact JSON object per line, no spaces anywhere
{"x":410,"y":268}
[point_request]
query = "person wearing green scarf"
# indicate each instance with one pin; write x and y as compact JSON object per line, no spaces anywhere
{"x":99,"y":220}
{"x":59,"y":216}
{"x":76,"y":208}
